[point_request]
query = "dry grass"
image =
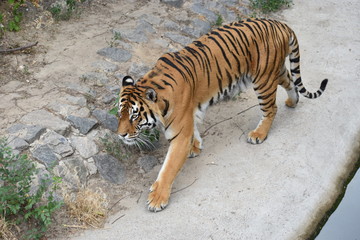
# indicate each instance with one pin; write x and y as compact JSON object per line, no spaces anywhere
{"x":88,"y":207}
{"x":7,"y":230}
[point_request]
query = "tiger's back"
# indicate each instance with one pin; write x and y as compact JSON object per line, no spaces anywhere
{"x":183,"y":84}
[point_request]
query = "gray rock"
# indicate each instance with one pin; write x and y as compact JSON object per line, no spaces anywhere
{"x":137,"y":70}
{"x":197,"y":28}
{"x":109,"y":98}
{"x":73,"y":173}
{"x":95,"y":78}
{"x":77,"y":167}
{"x":200,"y":9}
{"x":115,"y":54}
{"x":82,"y":112}
{"x":115,"y":89}
{"x":147,"y":162}
{"x":62,"y":109}
{"x":48,"y":120}
{"x":77,"y":100}
{"x":26,"y":132}
{"x":171,"y":25}
{"x":174,"y":3}
{"x":58,"y":143}
{"x":161,"y":43}
{"x":138,"y":34}
{"x":105,"y":66}
{"x":110,"y":168}
{"x":82,"y":89}
{"x":183,"y":40}
{"x":83,"y":124}
{"x":42,"y":174}
{"x":90,"y":165}
{"x":154,"y":20}
{"x":18,"y":144}
{"x":85,"y":146}
{"x":230,"y":3}
{"x":122,"y":44}
{"x":45,"y":155}
{"x":106,"y":119}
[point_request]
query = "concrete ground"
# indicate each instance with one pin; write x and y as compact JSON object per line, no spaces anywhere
{"x":281,"y":188}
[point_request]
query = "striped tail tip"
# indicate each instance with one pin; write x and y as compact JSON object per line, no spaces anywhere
{"x":323,"y":84}
{"x":316,"y":94}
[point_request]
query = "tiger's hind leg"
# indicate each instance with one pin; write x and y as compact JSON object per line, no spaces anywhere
{"x":196,"y":143}
{"x":266,"y":92}
{"x":286,"y":82}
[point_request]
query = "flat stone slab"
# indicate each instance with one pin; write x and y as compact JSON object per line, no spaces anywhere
{"x":45,"y":154}
{"x":29,"y":133}
{"x":83,"y":124}
{"x":110,"y":168}
{"x":48,"y":120}
{"x":106,"y":119}
{"x":115,"y":54}
{"x":85,"y":146}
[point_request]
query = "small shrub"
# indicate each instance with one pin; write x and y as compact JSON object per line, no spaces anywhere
{"x":267,"y":6}
{"x":16,"y":174}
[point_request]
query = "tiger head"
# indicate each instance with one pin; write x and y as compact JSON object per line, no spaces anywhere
{"x":136,"y":111}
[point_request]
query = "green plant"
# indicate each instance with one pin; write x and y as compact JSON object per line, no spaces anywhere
{"x":114,"y":147}
{"x":219,"y":20}
{"x":267,"y":6}
{"x":115,"y":109}
{"x":16,"y":175}
{"x":59,"y":13}
{"x":13,"y":24}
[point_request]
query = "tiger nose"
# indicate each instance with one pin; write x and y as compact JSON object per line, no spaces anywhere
{"x":123,"y":135}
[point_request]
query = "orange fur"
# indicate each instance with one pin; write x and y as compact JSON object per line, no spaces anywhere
{"x":177,"y":91}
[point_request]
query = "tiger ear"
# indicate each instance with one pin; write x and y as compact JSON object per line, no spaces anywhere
{"x":150,"y":94}
{"x":127,"y":81}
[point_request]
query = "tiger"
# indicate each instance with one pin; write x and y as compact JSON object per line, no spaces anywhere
{"x":176,"y":92}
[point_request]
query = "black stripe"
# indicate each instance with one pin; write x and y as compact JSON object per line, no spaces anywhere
{"x":171,"y":64}
{"x":296,"y":70}
{"x":152,"y":115}
{"x":297,"y":81}
{"x":222,"y":50}
{"x":211,"y":101}
{"x":157,"y":85}
{"x":169,"y":124}
{"x":175,"y":135}
{"x":302,"y":90}
{"x":167,"y":84}
{"x":296,"y":60}
{"x":166,"y":107}
{"x":167,"y":75}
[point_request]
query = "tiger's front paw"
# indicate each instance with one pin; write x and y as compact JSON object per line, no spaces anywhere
{"x":256,"y":137}
{"x":158,"y":197}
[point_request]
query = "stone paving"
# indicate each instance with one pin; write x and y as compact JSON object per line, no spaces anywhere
{"x":65,"y":130}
